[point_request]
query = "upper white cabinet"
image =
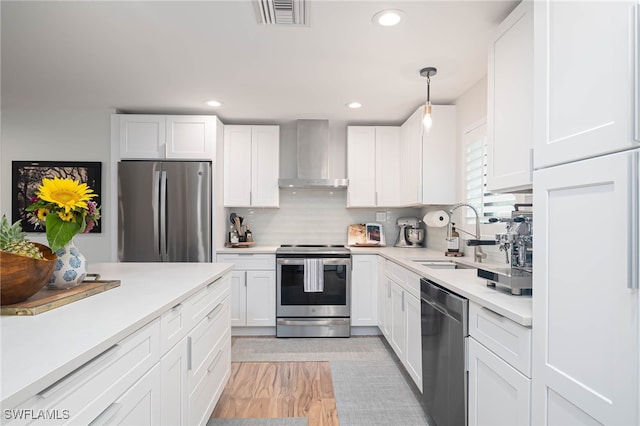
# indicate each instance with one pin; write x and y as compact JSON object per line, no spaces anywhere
{"x":586,"y":79}
{"x":167,"y":136}
{"x":373,"y":166}
{"x":428,"y":172}
{"x":510,"y":103}
{"x":251,"y":166}
{"x":439,"y":157}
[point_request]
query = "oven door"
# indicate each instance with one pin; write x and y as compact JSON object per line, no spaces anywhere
{"x":333,"y":301}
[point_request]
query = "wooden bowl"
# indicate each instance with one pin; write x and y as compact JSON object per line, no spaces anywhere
{"x":21,"y":277}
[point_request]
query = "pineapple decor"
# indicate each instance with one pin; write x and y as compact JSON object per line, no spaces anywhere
{"x":12,"y":240}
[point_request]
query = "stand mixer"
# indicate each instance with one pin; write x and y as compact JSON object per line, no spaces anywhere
{"x":410,"y":233}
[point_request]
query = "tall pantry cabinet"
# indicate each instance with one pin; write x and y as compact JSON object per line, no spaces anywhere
{"x":586,"y":357}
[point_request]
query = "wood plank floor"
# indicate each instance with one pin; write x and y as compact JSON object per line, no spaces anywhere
{"x":279,"y":389}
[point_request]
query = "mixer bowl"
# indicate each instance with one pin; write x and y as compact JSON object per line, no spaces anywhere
{"x":415,"y":236}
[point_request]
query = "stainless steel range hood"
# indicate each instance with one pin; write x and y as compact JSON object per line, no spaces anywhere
{"x":313,"y":158}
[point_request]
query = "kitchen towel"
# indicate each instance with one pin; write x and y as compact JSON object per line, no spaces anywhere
{"x":436,"y":218}
{"x":313,"y":275}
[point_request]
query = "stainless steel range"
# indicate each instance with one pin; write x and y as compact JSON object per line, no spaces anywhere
{"x":313,"y":291}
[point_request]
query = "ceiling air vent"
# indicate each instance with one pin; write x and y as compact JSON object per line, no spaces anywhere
{"x":281,"y":12}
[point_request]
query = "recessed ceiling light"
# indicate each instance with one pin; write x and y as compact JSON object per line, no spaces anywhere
{"x":214,"y":103}
{"x":388,"y":17}
{"x":354,"y":105}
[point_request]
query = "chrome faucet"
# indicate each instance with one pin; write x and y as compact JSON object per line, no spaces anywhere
{"x":478,"y":254}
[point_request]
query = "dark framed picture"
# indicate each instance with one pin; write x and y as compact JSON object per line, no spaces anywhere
{"x":27,"y":177}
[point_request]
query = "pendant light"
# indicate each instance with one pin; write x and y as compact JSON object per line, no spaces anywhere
{"x":428,"y":73}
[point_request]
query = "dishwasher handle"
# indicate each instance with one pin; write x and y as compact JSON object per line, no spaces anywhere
{"x":453,"y":305}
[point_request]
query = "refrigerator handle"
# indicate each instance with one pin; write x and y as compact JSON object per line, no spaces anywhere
{"x":155,"y":205}
{"x":163,"y":217}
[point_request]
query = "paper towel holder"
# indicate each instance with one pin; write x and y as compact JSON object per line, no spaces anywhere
{"x":436,"y":219}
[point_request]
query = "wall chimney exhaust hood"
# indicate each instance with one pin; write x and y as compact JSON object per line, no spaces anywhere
{"x":313,"y":158}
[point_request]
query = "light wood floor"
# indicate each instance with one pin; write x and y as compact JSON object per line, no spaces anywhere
{"x":279,"y":389}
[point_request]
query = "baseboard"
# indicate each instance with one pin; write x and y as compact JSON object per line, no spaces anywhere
{"x":371,"y":330}
{"x":253,"y":331}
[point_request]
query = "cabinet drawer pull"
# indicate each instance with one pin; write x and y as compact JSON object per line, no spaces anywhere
{"x":106,"y":415}
{"x":214,"y":311}
{"x":214,"y":362}
{"x":213,"y":282}
{"x":493,"y":313}
{"x":65,"y":381}
{"x":634,"y":216}
{"x":189,"y":353}
{"x":177,"y":307}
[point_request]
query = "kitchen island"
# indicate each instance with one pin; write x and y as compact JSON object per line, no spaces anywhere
{"x":40,"y":355}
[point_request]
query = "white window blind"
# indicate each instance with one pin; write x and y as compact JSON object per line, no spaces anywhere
{"x":487,"y":203}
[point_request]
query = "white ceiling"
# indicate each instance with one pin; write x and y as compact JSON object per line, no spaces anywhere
{"x":171,"y":57}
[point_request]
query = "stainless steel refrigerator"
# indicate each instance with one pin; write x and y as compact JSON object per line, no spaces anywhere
{"x":164,"y":211}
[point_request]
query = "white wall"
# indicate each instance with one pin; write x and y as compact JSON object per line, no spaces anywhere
{"x":59,"y":135}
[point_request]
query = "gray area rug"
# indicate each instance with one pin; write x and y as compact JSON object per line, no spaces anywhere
{"x":370,"y":386}
{"x":281,"y":421}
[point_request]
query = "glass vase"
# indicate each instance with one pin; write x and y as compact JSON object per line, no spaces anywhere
{"x":70,"y":269}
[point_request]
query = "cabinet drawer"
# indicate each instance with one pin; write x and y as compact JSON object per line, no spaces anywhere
{"x":173,"y":326}
{"x":202,"y":303}
{"x":508,"y":340}
{"x":89,"y":390}
{"x":203,"y":339}
{"x":396,"y":272}
{"x":249,"y":262}
{"x":207,"y":391}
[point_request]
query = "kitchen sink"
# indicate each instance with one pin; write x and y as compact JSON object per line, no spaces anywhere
{"x":442,"y":264}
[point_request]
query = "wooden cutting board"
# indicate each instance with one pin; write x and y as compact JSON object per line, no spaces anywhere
{"x":47,"y":299}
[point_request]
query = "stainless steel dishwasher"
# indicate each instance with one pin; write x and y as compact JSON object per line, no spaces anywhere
{"x":444,"y":331}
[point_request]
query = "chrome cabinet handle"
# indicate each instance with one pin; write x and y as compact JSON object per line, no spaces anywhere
{"x":189,"y":353}
{"x":493,"y":313}
{"x":214,"y":362}
{"x":214,"y":311}
{"x":402,"y":305}
{"x":106,"y":415}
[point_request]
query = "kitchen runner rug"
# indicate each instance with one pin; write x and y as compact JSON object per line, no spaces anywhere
{"x":370,"y":386}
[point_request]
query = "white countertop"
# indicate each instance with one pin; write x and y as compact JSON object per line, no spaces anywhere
{"x":36,"y":351}
{"x":464,"y":282}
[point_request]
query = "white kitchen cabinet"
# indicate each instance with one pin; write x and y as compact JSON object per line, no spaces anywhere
{"x":403,"y":317}
{"x":498,"y":393}
{"x":174,"y":393}
{"x":586,"y":69}
{"x":251,"y":166}
{"x":411,"y":157}
{"x":398,"y":321}
{"x":585,"y":280}
{"x":167,"y":136}
{"x":384,"y":300}
{"x":253,"y":289}
{"x":364,"y":290}
{"x":140,"y":405}
{"x":499,"y":364}
{"x":510,"y":103}
{"x":373,"y":166}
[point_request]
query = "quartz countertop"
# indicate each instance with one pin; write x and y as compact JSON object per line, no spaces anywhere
{"x":37,"y":351}
{"x":464,"y":282}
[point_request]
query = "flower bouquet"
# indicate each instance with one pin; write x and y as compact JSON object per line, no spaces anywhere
{"x":64,"y":208}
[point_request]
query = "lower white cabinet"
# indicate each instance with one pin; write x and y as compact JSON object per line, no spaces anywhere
{"x":498,"y":393}
{"x":174,"y":394}
{"x":253,"y":289}
{"x":400,"y":290}
{"x":384,"y":300}
{"x":140,"y":405}
{"x":364,"y":290}
{"x":499,"y":362}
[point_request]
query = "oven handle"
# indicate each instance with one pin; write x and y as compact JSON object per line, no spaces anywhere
{"x":312,"y":321}
{"x":326,"y":261}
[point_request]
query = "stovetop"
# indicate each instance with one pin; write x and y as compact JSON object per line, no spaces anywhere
{"x":313,"y":249}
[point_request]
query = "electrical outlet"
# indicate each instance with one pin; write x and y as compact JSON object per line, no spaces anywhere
{"x":381,"y":216}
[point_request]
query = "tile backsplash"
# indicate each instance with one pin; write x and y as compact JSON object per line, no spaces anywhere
{"x":315,"y":217}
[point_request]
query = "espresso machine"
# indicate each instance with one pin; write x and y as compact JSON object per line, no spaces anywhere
{"x":410,"y":233}
{"x":517,"y":244}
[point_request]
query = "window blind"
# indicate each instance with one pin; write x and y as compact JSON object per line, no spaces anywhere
{"x":488,"y":204}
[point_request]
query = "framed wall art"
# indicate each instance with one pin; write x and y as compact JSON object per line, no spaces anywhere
{"x":28,"y":175}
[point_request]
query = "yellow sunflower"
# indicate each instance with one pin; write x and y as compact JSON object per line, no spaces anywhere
{"x":66,"y":193}
{"x":42,"y":214}
{"x":67,"y":217}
